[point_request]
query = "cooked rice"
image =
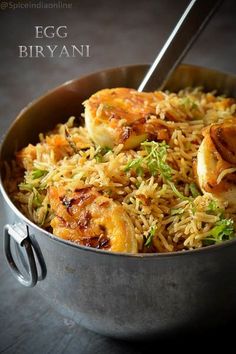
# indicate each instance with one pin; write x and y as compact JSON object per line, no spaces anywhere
{"x":148,"y":200}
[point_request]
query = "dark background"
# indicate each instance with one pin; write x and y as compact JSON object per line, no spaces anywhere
{"x":119,"y":33}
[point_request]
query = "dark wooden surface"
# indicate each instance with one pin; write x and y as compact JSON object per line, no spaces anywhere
{"x":119,"y":33}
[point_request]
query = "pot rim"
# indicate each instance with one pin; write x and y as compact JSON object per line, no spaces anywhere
{"x":28,"y":222}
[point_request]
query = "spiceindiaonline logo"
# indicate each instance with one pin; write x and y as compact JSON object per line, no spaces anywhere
{"x":13,"y":5}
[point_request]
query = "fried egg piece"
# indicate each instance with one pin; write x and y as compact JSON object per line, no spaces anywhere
{"x":216,"y":162}
{"x":91,"y":219}
{"x":121,"y":116}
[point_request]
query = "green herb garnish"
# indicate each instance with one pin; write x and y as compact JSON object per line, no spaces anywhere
{"x":156,"y":159}
{"x":176,"y":191}
{"x":155,"y":162}
{"x":176,"y":211}
{"x":222,"y":231}
{"x":38,"y":173}
{"x":101,"y":151}
{"x":213,"y":208}
{"x":194,"y":190}
{"x":37,"y":199}
{"x":149,"y":238}
{"x":188,"y":103}
{"x":136,"y":165}
{"x":26,"y":187}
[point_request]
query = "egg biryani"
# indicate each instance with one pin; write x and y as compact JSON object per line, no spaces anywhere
{"x":146,"y":172}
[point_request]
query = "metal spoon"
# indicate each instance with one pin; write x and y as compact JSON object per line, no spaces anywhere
{"x":191,"y":23}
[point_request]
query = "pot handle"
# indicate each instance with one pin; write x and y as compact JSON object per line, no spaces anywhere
{"x":20,"y":234}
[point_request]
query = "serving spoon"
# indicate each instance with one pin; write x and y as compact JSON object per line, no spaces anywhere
{"x":195,"y":17}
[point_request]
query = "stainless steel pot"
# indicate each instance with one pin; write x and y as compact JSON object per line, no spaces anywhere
{"x":119,"y":295}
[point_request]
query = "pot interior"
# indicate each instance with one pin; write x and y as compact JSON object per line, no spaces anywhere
{"x":66,"y":100}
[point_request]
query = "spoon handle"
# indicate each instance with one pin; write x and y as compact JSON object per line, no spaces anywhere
{"x":191,"y":23}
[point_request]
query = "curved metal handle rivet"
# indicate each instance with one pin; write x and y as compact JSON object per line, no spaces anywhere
{"x":19,"y":233}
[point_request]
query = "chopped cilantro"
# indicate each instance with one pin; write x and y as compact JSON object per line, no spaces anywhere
{"x":38,"y":173}
{"x":37,"y":199}
{"x":26,"y":187}
{"x":149,"y":238}
{"x":213,"y":208}
{"x":222,"y":231}
{"x":136,"y":165}
{"x":155,"y":162}
{"x":194,"y":190}
{"x":176,"y":191}
{"x":101,"y":151}
{"x":189,"y":103}
{"x":176,"y":211}
{"x":156,"y":159}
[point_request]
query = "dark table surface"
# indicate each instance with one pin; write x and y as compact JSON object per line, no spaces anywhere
{"x":118,"y":33}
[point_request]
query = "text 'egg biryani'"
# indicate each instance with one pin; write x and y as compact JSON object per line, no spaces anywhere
{"x":148,"y":172}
